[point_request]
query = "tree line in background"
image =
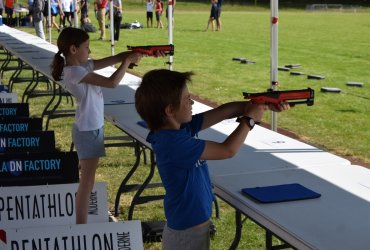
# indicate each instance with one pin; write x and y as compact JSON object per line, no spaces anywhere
{"x":297,"y":3}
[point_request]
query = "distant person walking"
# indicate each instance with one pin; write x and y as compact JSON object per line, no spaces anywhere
{"x":55,"y":9}
{"x":158,"y":13}
{"x":38,"y":17}
{"x":149,"y":13}
{"x":101,"y":9}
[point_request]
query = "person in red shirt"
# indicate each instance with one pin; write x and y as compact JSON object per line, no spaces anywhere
{"x":9,"y":9}
{"x":158,"y":13}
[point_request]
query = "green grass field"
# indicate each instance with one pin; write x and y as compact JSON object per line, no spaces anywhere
{"x":331,"y":44}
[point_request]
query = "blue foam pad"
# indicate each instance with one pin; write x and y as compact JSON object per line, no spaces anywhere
{"x":280,"y":193}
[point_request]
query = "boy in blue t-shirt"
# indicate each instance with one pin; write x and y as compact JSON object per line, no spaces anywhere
{"x":164,"y":102}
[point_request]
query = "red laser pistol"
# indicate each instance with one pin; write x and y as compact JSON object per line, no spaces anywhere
{"x":302,"y":96}
{"x":150,"y":50}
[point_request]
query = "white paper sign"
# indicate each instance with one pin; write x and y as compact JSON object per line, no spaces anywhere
{"x":45,"y":205}
{"x":8,"y":98}
{"x":99,"y":236}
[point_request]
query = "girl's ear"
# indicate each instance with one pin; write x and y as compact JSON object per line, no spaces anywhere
{"x":72,"y":49}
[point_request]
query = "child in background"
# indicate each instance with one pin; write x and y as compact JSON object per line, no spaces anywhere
{"x":158,"y":13}
{"x":164,"y":103}
{"x":213,"y":15}
{"x":72,"y":60}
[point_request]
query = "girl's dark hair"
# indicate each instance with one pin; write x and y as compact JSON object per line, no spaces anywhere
{"x":158,"y":89}
{"x":68,"y":37}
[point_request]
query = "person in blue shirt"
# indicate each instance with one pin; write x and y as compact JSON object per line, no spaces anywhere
{"x":163,"y":101}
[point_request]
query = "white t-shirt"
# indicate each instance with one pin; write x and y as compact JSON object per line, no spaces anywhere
{"x":66,"y":5}
{"x":149,"y":6}
{"x":90,"y":102}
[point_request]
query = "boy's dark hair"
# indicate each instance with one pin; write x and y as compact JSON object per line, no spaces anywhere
{"x":68,"y":37}
{"x":158,"y":89}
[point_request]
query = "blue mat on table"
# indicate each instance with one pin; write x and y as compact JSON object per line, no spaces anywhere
{"x":280,"y":193}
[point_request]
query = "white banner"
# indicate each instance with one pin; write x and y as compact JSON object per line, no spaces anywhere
{"x":98,"y":236}
{"x":47,"y":205}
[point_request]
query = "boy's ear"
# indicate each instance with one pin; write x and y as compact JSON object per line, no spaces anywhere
{"x":169,"y":110}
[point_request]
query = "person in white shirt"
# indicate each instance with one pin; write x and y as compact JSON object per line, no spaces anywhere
{"x":149,"y":13}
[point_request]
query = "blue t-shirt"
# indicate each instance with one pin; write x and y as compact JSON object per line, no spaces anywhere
{"x":188,"y":199}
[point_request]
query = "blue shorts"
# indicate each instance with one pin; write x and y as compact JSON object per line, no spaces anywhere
{"x":89,"y":144}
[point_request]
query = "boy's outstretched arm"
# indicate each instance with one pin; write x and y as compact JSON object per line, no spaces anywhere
{"x":222,"y":112}
{"x":231,"y":145}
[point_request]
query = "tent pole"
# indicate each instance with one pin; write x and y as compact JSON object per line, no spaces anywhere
{"x":170,"y":30}
{"x":274,"y":55}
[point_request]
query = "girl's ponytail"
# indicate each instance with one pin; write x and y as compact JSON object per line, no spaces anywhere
{"x":57,"y":66}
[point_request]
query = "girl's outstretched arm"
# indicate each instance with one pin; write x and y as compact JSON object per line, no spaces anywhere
{"x":116,"y":77}
{"x":111,"y":60}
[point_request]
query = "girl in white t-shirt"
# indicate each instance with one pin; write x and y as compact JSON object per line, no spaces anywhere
{"x":72,"y":60}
